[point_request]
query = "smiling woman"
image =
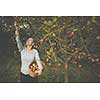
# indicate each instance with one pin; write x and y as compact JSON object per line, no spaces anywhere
{"x":28,"y":54}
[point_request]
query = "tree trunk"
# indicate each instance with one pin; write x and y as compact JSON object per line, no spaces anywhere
{"x":66,"y":73}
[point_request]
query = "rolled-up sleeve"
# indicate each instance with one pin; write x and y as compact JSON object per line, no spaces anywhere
{"x":19,"y":44}
{"x":37,"y":58}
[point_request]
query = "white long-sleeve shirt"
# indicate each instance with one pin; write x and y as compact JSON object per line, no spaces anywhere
{"x":27,"y":57}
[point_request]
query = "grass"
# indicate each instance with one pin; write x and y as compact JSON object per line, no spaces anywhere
{"x":10,"y":72}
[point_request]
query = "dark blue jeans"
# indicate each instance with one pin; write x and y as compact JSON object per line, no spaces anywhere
{"x":28,"y":79}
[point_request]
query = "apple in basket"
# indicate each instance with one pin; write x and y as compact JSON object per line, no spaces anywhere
{"x":33,"y":69}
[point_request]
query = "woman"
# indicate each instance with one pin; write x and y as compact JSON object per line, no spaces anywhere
{"x":28,"y":54}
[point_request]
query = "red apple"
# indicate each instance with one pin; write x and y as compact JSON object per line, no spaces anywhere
{"x":98,"y":37}
{"x":89,"y":58}
{"x":74,"y":62}
{"x":79,"y":57}
{"x":59,"y":64}
{"x":69,"y":58}
{"x":71,"y":34}
{"x":93,"y":60}
{"x":97,"y":59}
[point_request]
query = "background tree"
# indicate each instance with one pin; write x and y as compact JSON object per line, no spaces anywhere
{"x":68,"y":46}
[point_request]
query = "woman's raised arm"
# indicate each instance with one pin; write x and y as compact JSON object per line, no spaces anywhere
{"x":19,"y":43}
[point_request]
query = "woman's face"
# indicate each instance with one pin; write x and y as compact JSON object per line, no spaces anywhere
{"x":29,"y":42}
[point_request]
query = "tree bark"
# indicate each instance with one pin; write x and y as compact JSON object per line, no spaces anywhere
{"x":66,"y":73}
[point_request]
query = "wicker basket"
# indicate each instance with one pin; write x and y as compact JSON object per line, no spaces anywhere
{"x":33,"y":69}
